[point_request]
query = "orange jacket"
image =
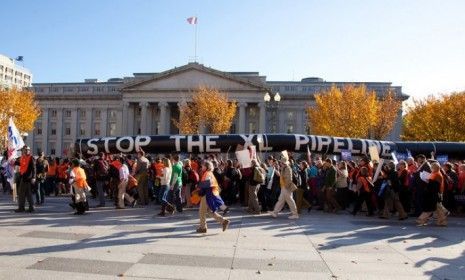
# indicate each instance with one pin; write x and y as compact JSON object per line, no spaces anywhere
{"x":79,"y":177}
{"x":208,"y":175}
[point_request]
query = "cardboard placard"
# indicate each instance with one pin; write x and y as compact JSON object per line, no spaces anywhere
{"x":374,"y":153}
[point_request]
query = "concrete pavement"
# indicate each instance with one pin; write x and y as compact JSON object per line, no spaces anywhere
{"x":136,"y":244}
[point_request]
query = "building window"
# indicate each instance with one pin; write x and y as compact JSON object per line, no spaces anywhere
{"x":112,"y":114}
{"x":112,"y":129}
{"x":290,"y":115}
{"x":138,"y":112}
{"x":68,"y":129}
{"x":252,"y":127}
{"x":82,"y":114}
{"x":252,"y":112}
{"x":290,"y":128}
{"x":97,"y":114}
{"x":82,"y":129}
{"x":52,"y":148}
{"x":53,"y":113}
{"x":39,"y":128}
{"x":97,"y":129}
{"x":68,"y":113}
{"x":53,"y":128}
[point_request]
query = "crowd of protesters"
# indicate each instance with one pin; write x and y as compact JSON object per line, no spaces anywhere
{"x":301,"y":183}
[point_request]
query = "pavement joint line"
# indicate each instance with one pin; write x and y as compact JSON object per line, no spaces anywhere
{"x":235,"y":248}
{"x":316,"y":249}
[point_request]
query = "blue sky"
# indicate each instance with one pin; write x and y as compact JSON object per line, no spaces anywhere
{"x":419,"y":45}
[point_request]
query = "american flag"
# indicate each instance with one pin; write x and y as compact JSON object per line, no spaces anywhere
{"x":192,"y":20}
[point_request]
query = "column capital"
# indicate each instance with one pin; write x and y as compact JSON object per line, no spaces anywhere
{"x":242,"y":104}
{"x":261,"y":104}
{"x":143,"y":104}
{"x":126,"y":103}
{"x":162,"y":104}
{"x":182,"y":103}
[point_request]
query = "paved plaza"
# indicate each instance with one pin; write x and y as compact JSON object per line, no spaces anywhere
{"x":136,"y":244}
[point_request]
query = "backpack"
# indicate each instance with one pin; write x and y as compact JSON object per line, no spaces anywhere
{"x":259,"y":175}
{"x":296,"y":179}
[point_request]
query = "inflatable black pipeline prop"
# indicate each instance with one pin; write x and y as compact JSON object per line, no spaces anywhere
{"x":270,"y":143}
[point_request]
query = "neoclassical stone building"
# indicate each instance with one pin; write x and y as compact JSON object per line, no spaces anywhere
{"x":148,"y":102}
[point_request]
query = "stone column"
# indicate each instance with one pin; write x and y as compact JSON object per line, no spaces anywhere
{"x":45,"y":130}
{"x":104,"y":122}
{"x":131,"y":117}
{"x":162,"y":117}
{"x":262,"y":118}
{"x":143,"y":117}
{"x":89,"y":132}
{"x":124,"y":129}
{"x":59,"y":142}
{"x":74,"y":121}
{"x":241,"y":122}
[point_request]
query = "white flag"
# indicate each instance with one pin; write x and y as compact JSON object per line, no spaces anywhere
{"x":15,"y":141}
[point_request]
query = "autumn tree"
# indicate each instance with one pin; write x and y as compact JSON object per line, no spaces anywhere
{"x":210,"y":109}
{"x":436,"y":119}
{"x":388,"y":109}
{"x":353,"y":111}
{"x":21,"y":105}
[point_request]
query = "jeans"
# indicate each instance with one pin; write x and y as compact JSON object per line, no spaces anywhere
{"x":40,"y":192}
{"x":164,"y":195}
{"x":101,"y":192}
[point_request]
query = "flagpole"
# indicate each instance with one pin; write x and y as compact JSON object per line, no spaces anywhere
{"x":195,"y":40}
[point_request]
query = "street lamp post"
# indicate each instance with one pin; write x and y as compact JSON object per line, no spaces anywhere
{"x":272,"y":105}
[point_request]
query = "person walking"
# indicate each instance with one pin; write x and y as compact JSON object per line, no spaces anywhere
{"x":27,"y":177}
{"x":329,"y":186}
{"x":41,"y":174}
{"x":364,"y":190}
{"x":165,"y":188}
{"x":211,"y":192}
{"x":123,"y":183}
{"x":256,"y":180}
{"x":432,"y":198}
{"x":176,"y":183}
{"x":287,"y":187}
{"x":78,"y":181}
{"x":141,"y":170}
{"x":302,"y":191}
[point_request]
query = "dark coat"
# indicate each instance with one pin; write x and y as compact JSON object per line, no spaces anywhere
{"x":430,"y":196}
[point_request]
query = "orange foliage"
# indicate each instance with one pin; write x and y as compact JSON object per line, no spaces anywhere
{"x":436,"y":119}
{"x":21,"y":105}
{"x":209,"y":109}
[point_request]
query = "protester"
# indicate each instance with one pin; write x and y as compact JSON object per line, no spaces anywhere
{"x":78,"y":181}
{"x":363,"y":190}
{"x":176,"y":183}
{"x":27,"y":175}
{"x":165,"y":188}
{"x":432,"y":198}
{"x":41,"y":170}
{"x":256,"y":180}
{"x":141,"y":174}
{"x":287,"y":187}
{"x":302,"y":192}
{"x":123,"y":184}
{"x":211,"y":189}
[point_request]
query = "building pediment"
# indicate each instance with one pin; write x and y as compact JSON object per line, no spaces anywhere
{"x":192,"y":76}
